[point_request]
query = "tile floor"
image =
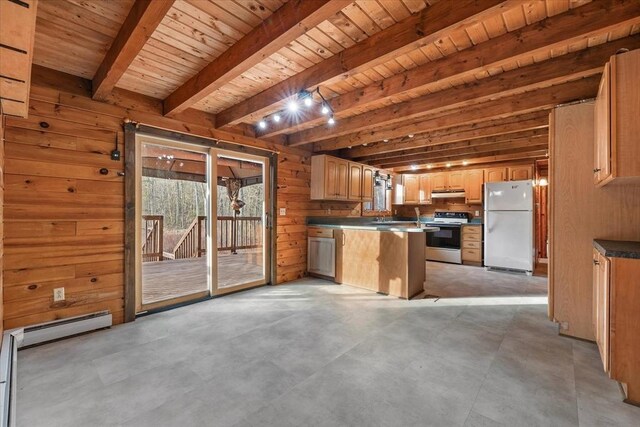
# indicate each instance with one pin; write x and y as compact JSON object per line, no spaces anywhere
{"x":312,"y":353}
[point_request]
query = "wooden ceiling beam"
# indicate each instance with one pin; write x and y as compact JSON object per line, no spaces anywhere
{"x":558,"y":70}
{"x":140,"y":23}
{"x":411,"y":33}
{"x":574,"y":25}
{"x":497,"y":156}
{"x":466,"y":144}
{"x":467,"y":152}
{"x":542,"y":99}
{"x":491,"y":161}
{"x":537,"y":120}
{"x":285,"y":25}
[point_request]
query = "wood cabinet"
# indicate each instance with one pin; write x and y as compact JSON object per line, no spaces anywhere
{"x":417,"y":189}
{"x":616,"y":124}
{"x":355,"y":181}
{"x":321,"y":252}
{"x":17,"y":34}
{"x":520,"y":173}
{"x":495,"y":175}
{"x":473,"y":186}
{"x":329,"y":178}
{"x":616,"y":319}
{"x":368,"y":174}
{"x":455,"y":180}
{"x":439,"y":181}
{"x":424,"y":193}
{"x":472,"y":244}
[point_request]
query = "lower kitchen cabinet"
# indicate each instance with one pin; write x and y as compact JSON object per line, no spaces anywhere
{"x":321,"y":252}
{"x":616,"y":318}
{"x":472,"y":244}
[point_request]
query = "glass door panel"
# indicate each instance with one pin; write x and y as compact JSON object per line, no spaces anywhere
{"x":241,"y":197}
{"x":174,"y":205}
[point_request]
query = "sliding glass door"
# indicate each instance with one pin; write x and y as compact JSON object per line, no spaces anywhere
{"x":190,"y":198}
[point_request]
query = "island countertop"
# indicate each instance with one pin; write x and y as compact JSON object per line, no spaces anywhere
{"x":380,"y":227}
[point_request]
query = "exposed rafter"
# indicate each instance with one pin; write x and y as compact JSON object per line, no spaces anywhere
{"x":469,"y":144}
{"x":531,"y":121}
{"x":541,"y":99}
{"x":554,"y":71}
{"x":286,"y":24}
{"x":141,"y":22}
{"x":536,"y":152}
{"x":413,"y":32}
{"x":572,"y":26}
{"x":538,"y":155}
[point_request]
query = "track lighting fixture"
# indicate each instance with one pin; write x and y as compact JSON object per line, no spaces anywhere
{"x":306,"y":98}
{"x":276,"y":118}
{"x":331,"y":120}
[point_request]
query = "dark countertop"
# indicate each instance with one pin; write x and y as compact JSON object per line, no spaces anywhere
{"x":618,"y":248}
{"x":380,"y":227}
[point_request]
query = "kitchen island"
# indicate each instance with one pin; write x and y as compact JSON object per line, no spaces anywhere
{"x":388,"y":259}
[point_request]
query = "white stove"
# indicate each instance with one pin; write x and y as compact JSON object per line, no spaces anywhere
{"x":445,"y":245}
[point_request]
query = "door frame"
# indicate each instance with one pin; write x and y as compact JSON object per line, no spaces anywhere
{"x":131,"y":131}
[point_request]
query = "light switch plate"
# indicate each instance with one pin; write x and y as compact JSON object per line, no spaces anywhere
{"x":283,"y":211}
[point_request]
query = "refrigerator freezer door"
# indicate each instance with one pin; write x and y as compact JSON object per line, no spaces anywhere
{"x":509,"y":196}
{"x":509,"y":240}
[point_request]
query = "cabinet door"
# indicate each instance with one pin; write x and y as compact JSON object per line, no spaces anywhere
{"x":439,"y":182}
{"x":520,"y":173}
{"x":367,"y":183}
{"x":355,"y":181}
{"x":321,"y":253}
{"x":342,"y":179}
{"x":602,"y":128}
{"x":495,"y":175}
{"x":411,"y":189}
{"x":456,"y":180}
{"x":601,"y":305}
{"x":424,"y":189}
{"x":330,"y":177}
{"x":474,"y":179}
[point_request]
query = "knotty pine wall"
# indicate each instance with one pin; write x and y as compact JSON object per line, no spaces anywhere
{"x":1,"y":214}
{"x":64,"y":221}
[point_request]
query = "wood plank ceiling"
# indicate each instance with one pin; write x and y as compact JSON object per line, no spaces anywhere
{"x":409,"y":81}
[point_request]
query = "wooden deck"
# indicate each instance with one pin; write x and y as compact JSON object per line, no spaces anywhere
{"x":163,"y":280}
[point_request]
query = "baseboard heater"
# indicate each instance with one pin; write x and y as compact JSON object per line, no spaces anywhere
{"x":11,"y":340}
{"x":50,"y":331}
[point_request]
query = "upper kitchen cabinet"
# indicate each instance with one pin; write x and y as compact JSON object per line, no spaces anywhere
{"x":456,"y":181}
{"x":355,"y":181}
{"x":411,"y":185}
{"x":617,"y":109}
{"x":473,"y":182}
{"x":424,"y":195}
{"x":17,"y":35}
{"x":368,"y":174}
{"x":520,"y":173}
{"x":447,"y":181}
{"x":329,"y":178}
{"x":496,"y":175}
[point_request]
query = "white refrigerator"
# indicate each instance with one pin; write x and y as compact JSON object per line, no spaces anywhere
{"x":508,"y":225}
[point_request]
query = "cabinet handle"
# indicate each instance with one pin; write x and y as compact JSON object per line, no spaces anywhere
{"x":596,"y":262}
{"x":596,"y":170}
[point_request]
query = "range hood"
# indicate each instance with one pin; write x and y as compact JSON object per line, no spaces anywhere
{"x":448,"y":195}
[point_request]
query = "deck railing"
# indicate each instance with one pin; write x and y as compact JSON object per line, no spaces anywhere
{"x":232,"y":234}
{"x":153,"y":231}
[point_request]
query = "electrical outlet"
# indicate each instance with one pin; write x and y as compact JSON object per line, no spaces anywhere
{"x":58,"y":294}
{"x":283,"y":211}
{"x":477,"y":213}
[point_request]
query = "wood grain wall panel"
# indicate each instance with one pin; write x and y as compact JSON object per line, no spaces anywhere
{"x":64,"y":221}
{"x":579,"y":213}
{"x":2,"y":231}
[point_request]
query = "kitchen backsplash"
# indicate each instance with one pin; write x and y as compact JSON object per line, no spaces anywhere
{"x":428,"y":210}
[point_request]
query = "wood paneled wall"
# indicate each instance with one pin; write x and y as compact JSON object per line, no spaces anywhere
{"x":64,"y":220}
{"x":579,"y":213}
{"x":1,"y":218}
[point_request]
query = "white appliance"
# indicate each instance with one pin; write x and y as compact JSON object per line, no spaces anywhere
{"x":445,"y":244}
{"x":508,"y":225}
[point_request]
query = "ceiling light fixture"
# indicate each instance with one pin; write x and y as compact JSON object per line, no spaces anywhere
{"x":293,"y":106}
{"x":410,"y":135}
{"x":414,"y":167}
{"x":325,"y":108}
{"x":262,"y":124}
{"x":465,"y":162}
{"x":385,"y":140}
{"x":276,"y":118}
{"x":429,"y":166}
{"x":448,"y":165}
{"x":331,"y":120}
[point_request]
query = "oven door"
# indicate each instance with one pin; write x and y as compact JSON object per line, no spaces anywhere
{"x":448,"y":237}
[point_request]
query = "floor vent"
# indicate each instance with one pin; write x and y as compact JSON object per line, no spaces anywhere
{"x":50,"y":331}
